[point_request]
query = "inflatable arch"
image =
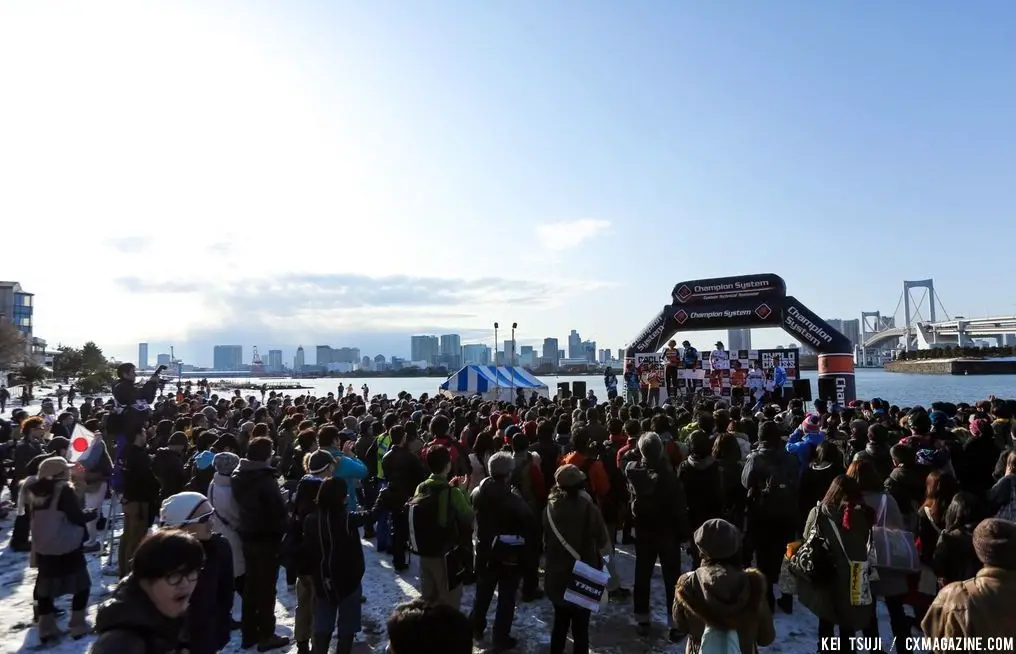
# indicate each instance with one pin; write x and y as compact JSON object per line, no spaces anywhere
{"x":754,"y":301}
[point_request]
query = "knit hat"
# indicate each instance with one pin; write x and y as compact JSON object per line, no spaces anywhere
{"x":183,"y":509}
{"x":501,"y":464}
{"x":995,"y":543}
{"x":569,"y":476}
{"x":177,"y":438}
{"x":650,"y":446}
{"x":718,"y":540}
{"x":56,"y":444}
{"x":53,"y":467}
{"x":511,"y":431}
{"x":980,"y":427}
{"x":349,"y":422}
{"x":811,"y":424}
{"x":225,"y":463}
{"x":319,"y":461}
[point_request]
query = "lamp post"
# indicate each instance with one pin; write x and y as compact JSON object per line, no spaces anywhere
{"x":497,"y":388}
{"x":514,"y":327}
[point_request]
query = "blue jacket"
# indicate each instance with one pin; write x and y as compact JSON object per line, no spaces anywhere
{"x":351,"y":470}
{"x":779,"y":376}
{"x":801,"y":445}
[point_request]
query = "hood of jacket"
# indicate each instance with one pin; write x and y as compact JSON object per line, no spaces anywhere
{"x":248,"y":473}
{"x":720,"y":595}
{"x":646,"y":477}
{"x":701,"y":464}
{"x":130,"y":609}
{"x":203,"y":460}
{"x":41,"y":491}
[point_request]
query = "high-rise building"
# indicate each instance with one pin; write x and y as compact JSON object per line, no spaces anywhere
{"x":298,"y":360}
{"x":275,"y":360}
{"x":16,"y":307}
{"x":379,"y":363}
{"x":510,"y":352}
{"x":588,"y":351}
{"x":738,"y":339}
{"x":424,"y":348}
{"x":346,"y":355}
{"x":620,"y":354}
{"x":163,"y":360}
{"x":476,"y":353}
{"x":849,"y":328}
{"x":323,"y":356}
{"x":451,"y":345}
{"x":366,"y":363}
{"x":550,"y":352}
{"x":227,"y":357}
{"x":574,"y":345}
{"x":142,"y":356}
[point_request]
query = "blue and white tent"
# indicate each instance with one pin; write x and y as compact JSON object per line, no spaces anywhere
{"x":492,"y":383}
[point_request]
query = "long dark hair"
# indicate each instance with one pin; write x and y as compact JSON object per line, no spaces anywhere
{"x":963,"y":510}
{"x":842,"y":490}
{"x":940,"y":488}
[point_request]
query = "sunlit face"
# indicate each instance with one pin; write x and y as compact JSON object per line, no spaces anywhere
{"x":200,"y":525}
{"x":171,"y":594}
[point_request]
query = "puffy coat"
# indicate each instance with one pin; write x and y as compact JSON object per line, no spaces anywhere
{"x":227,"y":518}
{"x":727,"y":598}
{"x":981,"y":606}
{"x":334,"y":553}
{"x":955,"y":558}
{"x":128,"y":623}
{"x":259,"y":499}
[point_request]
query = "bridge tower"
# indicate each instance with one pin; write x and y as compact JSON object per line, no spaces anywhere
{"x":911,"y":338}
{"x":256,"y":367}
{"x":868,"y":329}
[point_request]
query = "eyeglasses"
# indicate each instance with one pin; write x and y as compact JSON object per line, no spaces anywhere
{"x":177,"y":578}
{"x":196,"y":520}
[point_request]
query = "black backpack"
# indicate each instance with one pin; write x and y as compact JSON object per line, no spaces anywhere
{"x":426,"y":535}
{"x":776,"y":497}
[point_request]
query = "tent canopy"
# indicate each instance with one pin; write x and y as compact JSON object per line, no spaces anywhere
{"x":492,"y":383}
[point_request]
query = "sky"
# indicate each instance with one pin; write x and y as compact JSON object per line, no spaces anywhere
{"x":276,"y":174}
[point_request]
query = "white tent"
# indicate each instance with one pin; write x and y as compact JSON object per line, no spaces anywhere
{"x":492,"y":383}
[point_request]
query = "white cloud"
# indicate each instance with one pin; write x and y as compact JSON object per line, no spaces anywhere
{"x":567,"y":235}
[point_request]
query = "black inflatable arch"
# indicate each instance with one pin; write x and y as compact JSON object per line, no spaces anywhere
{"x":754,"y":301}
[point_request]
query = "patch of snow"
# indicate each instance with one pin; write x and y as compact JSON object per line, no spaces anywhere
{"x":611,"y":632}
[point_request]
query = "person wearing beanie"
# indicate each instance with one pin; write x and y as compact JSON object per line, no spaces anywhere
{"x":504,"y":524}
{"x":227,"y":515}
{"x":719,"y":594}
{"x":982,"y":606}
{"x":571,"y":523}
{"x":262,"y":524}
{"x":404,"y":471}
{"x":805,"y":439}
{"x":660,"y":517}
{"x":209,"y":617}
{"x":699,"y":475}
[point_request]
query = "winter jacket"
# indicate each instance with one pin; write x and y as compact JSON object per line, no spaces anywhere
{"x":527,"y":478}
{"x":458,"y":503}
{"x":802,"y":444}
{"x":199,"y":471}
{"x":890,"y":583}
{"x":210,"y":612}
{"x":727,"y":598}
{"x":700,"y":479}
{"x":927,"y":536}
{"x":304,"y":503}
{"x":906,"y":485}
{"x":352,"y":471}
{"x":658,"y":502}
{"x":168,"y":468}
{"x":581,"y":526}
{"x":1000,"y":463}
{"x":734,"y":494}
{"x":1001,"y":493}
{"x":955,"y":558}
{"x":25,"y":451}
{"x":130,"y":624}
{"x":973,"y":471}
{"x":57,"y":527}
{"x":599,"y":481}
{"x":227,"y":517}
{"x":499,"y":511}
{"x":139,"y":482}
{"x":879,"y":456}
{"x":815,"y":482}
{"x":981,"y":606}
{"x":833,"y":603}
{"x":132,"y":407}
{"x":259,"y":500}
{"x":404,"y":471}
{"x":333,"y":551}
{"x":763,"y":463}
{"x":459,"y":455}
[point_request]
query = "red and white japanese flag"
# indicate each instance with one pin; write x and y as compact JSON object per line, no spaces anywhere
{"x":82,"y":443}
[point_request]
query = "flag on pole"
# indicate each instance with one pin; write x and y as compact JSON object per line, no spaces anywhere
{"x":83,"y":444}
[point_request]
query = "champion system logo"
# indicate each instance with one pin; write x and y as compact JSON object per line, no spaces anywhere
{"x":681,"y":316}
{"x":763,"y":311}
{"x":683,"y":293}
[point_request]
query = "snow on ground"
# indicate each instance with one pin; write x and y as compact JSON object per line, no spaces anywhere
{"x":611,"y":633}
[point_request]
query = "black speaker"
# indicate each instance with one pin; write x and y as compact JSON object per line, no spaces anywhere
{"x":802,"y":389}
{"x":578,"y":389}
{"x":563,"y":390}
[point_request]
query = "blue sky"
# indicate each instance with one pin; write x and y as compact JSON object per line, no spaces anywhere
{"x":351,"y":173}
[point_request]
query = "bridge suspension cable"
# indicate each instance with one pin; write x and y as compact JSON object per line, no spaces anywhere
{"x":899,"y":304}
{"x":917,"y":307}
{"x":942,"y":307}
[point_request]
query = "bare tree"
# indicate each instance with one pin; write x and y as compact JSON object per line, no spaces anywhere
{"x":12,"y":345}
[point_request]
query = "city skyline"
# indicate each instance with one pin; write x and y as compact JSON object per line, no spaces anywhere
{"x":699,"y":122}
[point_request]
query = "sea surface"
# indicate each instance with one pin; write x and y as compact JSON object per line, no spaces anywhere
{"x":897,"y":388}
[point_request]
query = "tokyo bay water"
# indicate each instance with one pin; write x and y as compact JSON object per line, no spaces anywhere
{"x":897,"y":388}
